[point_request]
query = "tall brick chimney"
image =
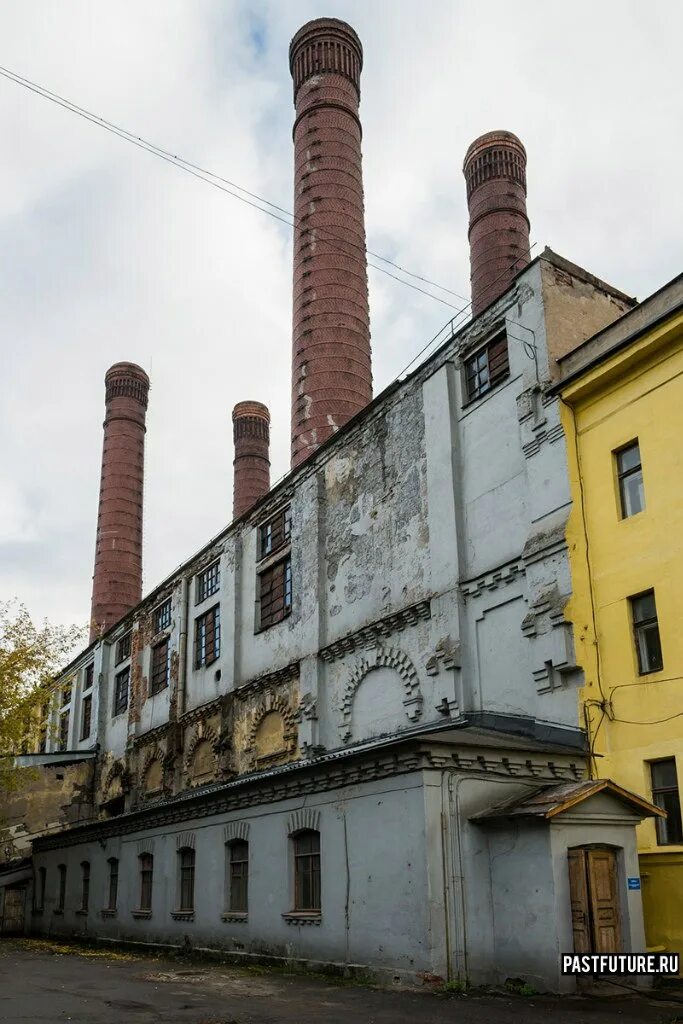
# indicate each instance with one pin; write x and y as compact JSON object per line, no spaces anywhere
{"x":331,"y":367}
{"x":251,"y":433}
{"x":117,"y":581}
{"x":495,"y":172}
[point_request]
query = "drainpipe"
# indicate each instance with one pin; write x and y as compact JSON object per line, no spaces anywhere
{"x":182,"y":645}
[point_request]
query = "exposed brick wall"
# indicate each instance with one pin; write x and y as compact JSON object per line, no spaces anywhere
{"x":117,"y":581}
{"x":251,"y":434}
{"x":331,"y":367}
{"x":495,"y":172}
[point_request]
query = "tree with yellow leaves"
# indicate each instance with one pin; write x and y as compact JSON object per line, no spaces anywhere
{"x":31,"y":657}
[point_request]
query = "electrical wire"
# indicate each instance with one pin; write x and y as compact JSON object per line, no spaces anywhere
{"x":233,"y":189}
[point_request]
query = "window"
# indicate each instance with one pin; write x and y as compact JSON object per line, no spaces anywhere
{"x":160,"y":665}
{"x":66,"y":694}
{"x":146,"y":861}
{"x":646,"y":632}
{"x":208,"y":582}
{"x":113,"y":894}
{"x":64,"y":730}
{"x":61,"y":892}
{"x":162,"y":616}
{"x":274,"y":534}
{"x":307,"y":871}
{"x":487,"y":367}
{"x":39,"y":890}
{"x":186,"y":865}
{"x":121,"y":691}
{"x":85,"y":885}
{"x":630,"y":477}
{"x":275,"y":586}
{"x":207,"y":637}
{"x":88,"y":677}
{"x":238,"y":876}
{"x":123,"y":648}
{"x":665,"y":795}
{"x":42,"y":734}
{"x":86,"y":716}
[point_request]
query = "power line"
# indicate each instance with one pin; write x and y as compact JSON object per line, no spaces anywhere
{"x":211,"y":178}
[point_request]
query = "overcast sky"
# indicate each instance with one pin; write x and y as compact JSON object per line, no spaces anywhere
{"x":107,"y":253}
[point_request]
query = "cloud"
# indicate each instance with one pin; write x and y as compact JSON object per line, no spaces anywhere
{"x":106,"y":253}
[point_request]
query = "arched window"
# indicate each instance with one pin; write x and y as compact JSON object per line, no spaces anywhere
{"x":113,"y":893}
{"x":238,"y":876}
{"x":61,"y":892}
{"x":85,"y":885}
{"x":307,"y":870}
{"x":186,"y":880}
{"x":146,"y":862}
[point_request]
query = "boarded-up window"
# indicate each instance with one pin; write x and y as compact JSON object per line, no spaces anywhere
{"x":487,"y":367}
{"x":275,"y":592}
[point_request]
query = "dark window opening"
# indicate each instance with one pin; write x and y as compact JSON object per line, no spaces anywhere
{"x":121,"y":683}
{"x":665,"y":795}
{"x":113,"y":894}
{"x":487,"y":367}
{"x":186,"y":863}
{"x":208,"y":582}
{"x":160,"y":668}
{"x":207,"y":637}
{"x":646,"y":633}
{"x":307,"y":871}
{"x":275,"y":533}
{"x":238,"y":876}
{"x":162,"y":616}
{"x":39,"y":890}
{"x":61,"y":892}
{"x":86,"y":716}
{"x":85,"y":885}
{"x":630,"y":476}
{"x":275,"y":593}
{"x":123,"y":648}
{"x":64,"y":730}
{"x":89,"y":676}
{"x":146,"y":874}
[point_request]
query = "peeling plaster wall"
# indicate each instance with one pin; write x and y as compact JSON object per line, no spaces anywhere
{"x":47,"y":799}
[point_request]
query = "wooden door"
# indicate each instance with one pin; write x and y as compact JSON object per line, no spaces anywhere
{"x":594,"y":900}
{"x":14,"y":912}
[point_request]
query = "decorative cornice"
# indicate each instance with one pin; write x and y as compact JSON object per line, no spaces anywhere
{"x":154,"y":734}
{"x":203,"y":711}
{"x":494,"y":579}
{"x":281,"y":675}
{"x":370,"y":634}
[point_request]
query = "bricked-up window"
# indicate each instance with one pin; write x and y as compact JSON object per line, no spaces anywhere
{"x":208,"y":582}
{"x":146,"y":862}
{"x":307,"y":870}
{"x":275,"y":593}
{"x":630,"y":476}
{"x":238,"y":876}
{"x":86,"y":716}
{"x":64,"y":730}
{"x":186,"y":887}
{"x":89,"y":676}
{"x":665,"y":794}
{"x":61,"y":889}
{"x":160,"y":668}
{"x":113,"y":887}
{"x":85,"y":885}
{"x":207,"y":637}
{"x":275,"y":533}
{"x":162,"y":616}
{"x":487,"y":367}
{"x":123,"y":648}
{"x":646,"y":633}
{"x":121,"y":684}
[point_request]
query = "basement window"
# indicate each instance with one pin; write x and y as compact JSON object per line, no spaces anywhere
{"x":207,"y":637}
{"x":121,"y":683}
{"x":275,"y":593}
{"x":665,"y":794}
{"x":487,"y":367}
{"x":208,"y":582}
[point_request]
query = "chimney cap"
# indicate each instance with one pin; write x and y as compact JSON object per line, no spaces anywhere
{"x":243,"y":409}
{"x":490,"y":140}
{"x":319,"y":28}
{"x":126,"y":369}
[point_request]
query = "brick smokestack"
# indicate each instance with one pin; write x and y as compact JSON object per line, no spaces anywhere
{"x":251,"y":433}
{"x":331,"y":367}
{"x":495,"y":172}
{"x":117,"y":582}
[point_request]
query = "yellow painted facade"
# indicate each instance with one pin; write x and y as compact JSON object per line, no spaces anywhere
{"x":632,"y":719}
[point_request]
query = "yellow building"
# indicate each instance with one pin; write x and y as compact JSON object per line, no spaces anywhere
{"x":622,"y":393}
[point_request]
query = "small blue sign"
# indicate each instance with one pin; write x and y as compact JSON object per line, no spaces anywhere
{"x":634,"y":883}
